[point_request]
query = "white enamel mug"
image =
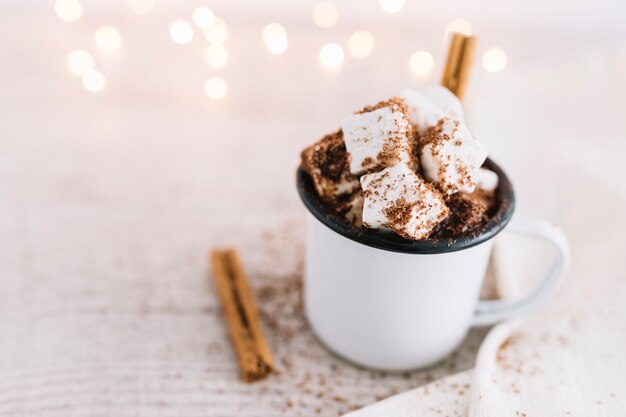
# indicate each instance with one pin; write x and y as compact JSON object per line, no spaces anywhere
{"x":388,"y":303}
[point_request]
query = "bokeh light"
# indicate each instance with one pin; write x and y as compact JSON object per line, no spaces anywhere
{"x":391,"y":6}
{"x":203,"y":17}
{"x":216,"y":88}
{"x":275,"y":38}
{"x":181,"y":32}
{"x":68,"y":10}
{"x":325,"y":15}
{"x":79,"y":62}
{"x":94,"y":81}
{"x":216,"y":56}
{"x":360,"y":44}
{"x":494,"y":60}
{"x":217,"y":32}
{"x":331,"y":55}
{"x":108,"y":38}
{"x":421,"y":62}
{"x":459,"y":26}
{"x":141,"y":6}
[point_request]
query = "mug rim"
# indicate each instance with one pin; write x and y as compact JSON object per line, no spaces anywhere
{"x":396,"y":243}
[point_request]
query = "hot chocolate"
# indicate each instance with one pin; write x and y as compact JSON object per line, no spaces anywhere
{"x":407,"y":165}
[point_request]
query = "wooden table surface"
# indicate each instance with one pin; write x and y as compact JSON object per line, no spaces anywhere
{"x":110,"y":202}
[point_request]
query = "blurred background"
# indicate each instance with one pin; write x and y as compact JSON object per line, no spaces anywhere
{"x":126,"y":101}
{"x":137,"y":134}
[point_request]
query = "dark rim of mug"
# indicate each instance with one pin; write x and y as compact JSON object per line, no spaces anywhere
{"x":395,"y":243}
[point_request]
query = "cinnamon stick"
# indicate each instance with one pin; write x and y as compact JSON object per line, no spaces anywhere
{"x":241,"y":315}
{"x":459,"y":63}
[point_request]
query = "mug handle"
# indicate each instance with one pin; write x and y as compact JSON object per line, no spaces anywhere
{"x":492,"y":311}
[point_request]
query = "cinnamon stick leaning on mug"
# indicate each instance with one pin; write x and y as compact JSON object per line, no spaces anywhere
{"x":241,"y":315}
{"x":459,"y":63}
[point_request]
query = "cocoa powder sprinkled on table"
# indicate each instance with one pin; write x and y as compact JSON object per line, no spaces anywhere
{"x":309,"y":377}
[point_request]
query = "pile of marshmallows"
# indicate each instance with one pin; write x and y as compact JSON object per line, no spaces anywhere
{"x":408,"y":154}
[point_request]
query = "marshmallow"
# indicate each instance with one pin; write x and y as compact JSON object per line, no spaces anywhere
{"x":378,"y":136}
{"x":451,"y":157}
{"x":399,"y":199}
{"x":486,"y":180}
{"x":351,"y":209}
{"x":430,"y":104}
{"x":327,"y":163}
